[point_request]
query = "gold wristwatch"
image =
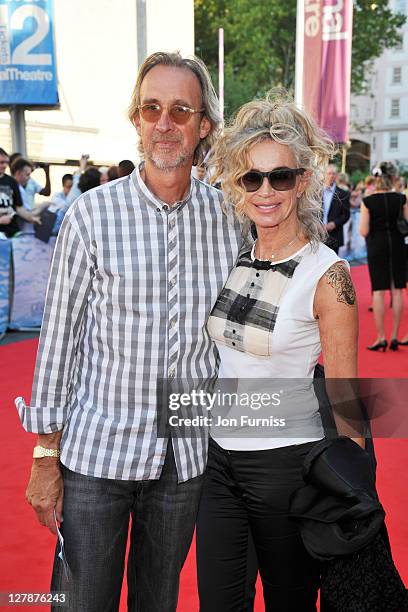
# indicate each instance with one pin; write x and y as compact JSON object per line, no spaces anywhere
{"x":41,"y":451}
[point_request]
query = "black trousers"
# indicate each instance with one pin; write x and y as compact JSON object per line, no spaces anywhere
{"x":246,"y":493}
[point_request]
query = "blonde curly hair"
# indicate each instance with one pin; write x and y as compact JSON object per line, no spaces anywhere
{"x":277,"y":118}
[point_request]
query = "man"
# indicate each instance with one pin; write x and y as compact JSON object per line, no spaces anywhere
{"x":125,"y":167}
{"x":31,"y":187}
{"x":336,"y":209}
{"x":137,"y":268}
{"x":60,"y":197}
{"x":11,"y":204}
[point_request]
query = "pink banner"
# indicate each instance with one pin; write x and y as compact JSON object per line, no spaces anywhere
{"x":327,"y":64}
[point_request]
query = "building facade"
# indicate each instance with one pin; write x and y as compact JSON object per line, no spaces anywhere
{"x":380,"y":118}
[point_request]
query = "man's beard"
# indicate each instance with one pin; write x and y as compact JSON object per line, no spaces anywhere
{"x":169,"y":162}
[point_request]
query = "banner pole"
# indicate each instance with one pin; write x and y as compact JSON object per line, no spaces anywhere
{"x":18,"y":130}
{"x":300,"y":43}
{"x":221,"y":72}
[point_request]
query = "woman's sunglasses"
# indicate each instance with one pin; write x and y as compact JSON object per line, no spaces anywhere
{"x":178,"y":113}
{"x":282,"y":179}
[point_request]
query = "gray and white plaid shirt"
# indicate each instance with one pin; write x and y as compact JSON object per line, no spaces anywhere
{"x":131,"y":286}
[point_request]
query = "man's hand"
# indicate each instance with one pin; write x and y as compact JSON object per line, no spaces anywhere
{"x":45,"y":491}
{"x":83,"y":162}
{"x":5,"y":219}
{"x":330,"y":226}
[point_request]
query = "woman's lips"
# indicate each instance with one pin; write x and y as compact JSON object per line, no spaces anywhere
{"x":266,"y":207}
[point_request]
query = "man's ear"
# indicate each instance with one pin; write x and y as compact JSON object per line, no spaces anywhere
{"x":205,"y":127}
{"x":136,"y":122}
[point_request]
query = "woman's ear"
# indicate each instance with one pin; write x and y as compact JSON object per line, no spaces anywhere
{"x":304,"y":182}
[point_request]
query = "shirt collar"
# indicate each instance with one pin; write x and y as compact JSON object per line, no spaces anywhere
{"x":332,"y":188}
{"x":151,"y":197}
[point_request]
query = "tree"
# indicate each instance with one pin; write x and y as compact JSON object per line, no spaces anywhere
{"x":260,"y":41}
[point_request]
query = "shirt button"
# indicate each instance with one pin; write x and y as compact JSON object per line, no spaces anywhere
{"x":158,"y":210}
{"x":257,"y":274}
{"x":172,"y":223}
{"x":172,"y":373}
{"x":242,"y":308}
{"x":173,"y":282}
{"x":233,"y":344}
{"x":252,"y":284}
{"x":248,"y":295}
{"x":233,"y":331}
{"x":165,"y":207}
{"x":173,"y":324}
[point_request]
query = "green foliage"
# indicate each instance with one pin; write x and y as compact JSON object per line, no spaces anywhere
{"x":260,"y":41}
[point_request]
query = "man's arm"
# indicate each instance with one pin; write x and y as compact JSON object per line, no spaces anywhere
{"x":68,"y":287}
{"x":27,"y":215}
{"x":46,"y":190}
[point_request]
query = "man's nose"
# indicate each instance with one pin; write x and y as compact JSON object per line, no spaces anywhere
{"x":164,"y":124}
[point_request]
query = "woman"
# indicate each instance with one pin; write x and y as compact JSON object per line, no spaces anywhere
{"x":288,"y":298}
{"x":385,"y":254}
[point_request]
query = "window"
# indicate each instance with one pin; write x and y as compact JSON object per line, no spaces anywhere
{"x":393,"y":141}
{"x":395,"y":107}
{"x":396,"y":75}
{"x":399,"y":46}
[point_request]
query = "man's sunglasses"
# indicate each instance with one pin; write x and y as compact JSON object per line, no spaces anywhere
{"x":282,"y":179}
{"x":178,"y":113}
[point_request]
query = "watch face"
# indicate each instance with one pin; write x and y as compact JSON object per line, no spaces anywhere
{"x":38,"y":452}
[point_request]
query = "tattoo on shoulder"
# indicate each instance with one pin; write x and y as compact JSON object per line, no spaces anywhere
{"x":339,"y":278}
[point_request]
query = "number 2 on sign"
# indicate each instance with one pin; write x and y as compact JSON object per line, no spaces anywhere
{"x":22,"y":53}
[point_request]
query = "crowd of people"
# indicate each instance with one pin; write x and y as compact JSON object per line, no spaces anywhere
{"x":18,"y":209}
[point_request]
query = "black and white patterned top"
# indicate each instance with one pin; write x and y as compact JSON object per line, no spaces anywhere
{"x":265,"y":330}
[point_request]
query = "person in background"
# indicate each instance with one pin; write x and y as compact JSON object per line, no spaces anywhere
{"x":104,"y":174}
{"x":369,"y":185}
{"x":89,"y":179}
{"x":385,"y":255}
{"x":343,"y":181}
{"x":31,"y":187}
{"x":11,"y":203}
{"x":60,"y":197}
{"x":335,"y":210}
{"x":125,"y":167}
{"x":113,"y":173}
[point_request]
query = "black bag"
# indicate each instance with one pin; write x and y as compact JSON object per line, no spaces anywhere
{"x":366,"y":581}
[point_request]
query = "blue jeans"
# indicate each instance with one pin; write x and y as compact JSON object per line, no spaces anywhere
{"x":95,"y":529}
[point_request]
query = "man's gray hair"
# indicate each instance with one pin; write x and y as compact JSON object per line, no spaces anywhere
{"x":209,"y":100}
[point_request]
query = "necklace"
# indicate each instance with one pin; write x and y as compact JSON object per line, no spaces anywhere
{"x":272,"y":257}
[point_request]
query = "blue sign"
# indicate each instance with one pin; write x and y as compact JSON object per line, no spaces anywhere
{"x":28,"y":74}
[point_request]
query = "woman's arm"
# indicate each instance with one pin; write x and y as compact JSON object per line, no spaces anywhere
{"x":364,"y":220}
{"x":335,"y":308}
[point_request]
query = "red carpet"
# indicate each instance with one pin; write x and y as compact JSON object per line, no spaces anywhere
{"x":26,"y":548}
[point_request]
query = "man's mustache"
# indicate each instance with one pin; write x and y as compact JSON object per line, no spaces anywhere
{"x":159,"y":138}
